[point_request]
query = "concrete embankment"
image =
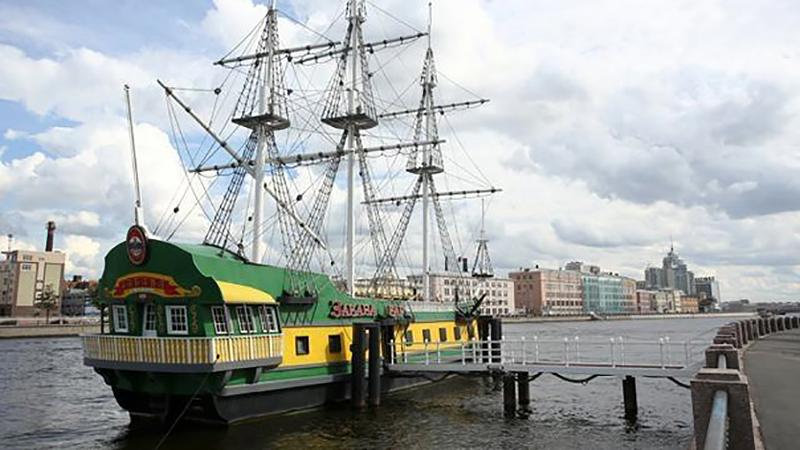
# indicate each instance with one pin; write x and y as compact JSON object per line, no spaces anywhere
{"x":11,"y":332}
{"x":773,"y":367}
{"x":627,"y":317}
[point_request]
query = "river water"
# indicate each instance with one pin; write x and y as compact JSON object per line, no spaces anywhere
{"x":48,"y":399}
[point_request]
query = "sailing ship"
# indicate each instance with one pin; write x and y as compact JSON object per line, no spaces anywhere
{"x":209,"y":331}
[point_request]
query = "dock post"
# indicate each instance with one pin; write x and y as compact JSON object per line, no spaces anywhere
{"x":509,"y":394}
{"x":483,"y":336}
{"x":357,"y":363}
{"x":524,"y":390}
{"x":374,"y":365}
{"x":497,"y":336}
{"x":629,"y":396}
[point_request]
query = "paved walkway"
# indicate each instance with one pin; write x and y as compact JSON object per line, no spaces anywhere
{"x":772,"y":365}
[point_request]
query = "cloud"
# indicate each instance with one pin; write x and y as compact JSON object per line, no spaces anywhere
{"x":612,"y":126}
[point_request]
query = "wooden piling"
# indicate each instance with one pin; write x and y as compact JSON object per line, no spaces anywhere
{"x":357,"y":366}
{"x":629,"y":397}
{"x":374,"y":365}
{"x":524,"y":390}
{"x":509,"y":394}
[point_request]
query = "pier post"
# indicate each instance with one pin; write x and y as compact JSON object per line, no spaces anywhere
{"x":484,"y":335}
{"x":629,"y":397}
{"x":795,"y":322}
{"x":524,"y":390}
{"x":497,"y":336}
{"x":762,"y":329}
{"x":357,"y":363}
{"x":509,"y":394}
{"x":375,"y":365}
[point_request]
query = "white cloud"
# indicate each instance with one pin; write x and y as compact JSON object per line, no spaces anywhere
{"x":613,"y":126}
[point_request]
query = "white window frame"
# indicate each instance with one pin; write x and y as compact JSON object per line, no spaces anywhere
{"x":269,"y":320}
{"x":149,"y":308}
{"x":225,"y":322}
{"x":116,"y":315}
{"x":170,"y":323}
{"x":248,"y":315}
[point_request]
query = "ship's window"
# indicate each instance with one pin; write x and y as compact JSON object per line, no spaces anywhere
{"x":457,"y":333}
{"x":301,"y":346}
{"x":426,"y":335}
{"x":246,"y":323}
{"x":470,"y":332}
{"x":177,"y":322}
{"x":335,"y":343}
{"x":409,"y":337}
{"x":442,"y":334}
{"x":269,"y":320}
{"x":120,"y":319}
{"x":220,"y":320}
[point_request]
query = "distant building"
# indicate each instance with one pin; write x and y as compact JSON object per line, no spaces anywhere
{"x":24,"y":275}
{"x":707,"y":289}
{"x":548,"y":291}
{"x":645,"y":301}
{"x":605,"y":293}
{"x":76,"y":299}
{"x":673,"y":274}
{"x":690,"y":304}
{"x":499,"y":298}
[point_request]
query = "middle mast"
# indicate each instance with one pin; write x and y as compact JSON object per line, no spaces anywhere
{"x":350,"y":106}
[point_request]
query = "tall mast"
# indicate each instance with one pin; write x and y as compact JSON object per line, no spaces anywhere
{"x":138,"y":215}
{"x":426,"y":176}
{"x":266,"y":83}
{"x":354,"y":113}
{"x":355,"y":23}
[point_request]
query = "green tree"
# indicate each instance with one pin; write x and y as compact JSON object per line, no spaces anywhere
{"x":48,"y":301}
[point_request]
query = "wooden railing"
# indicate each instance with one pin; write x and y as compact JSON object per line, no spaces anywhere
{"x":176,"y":350}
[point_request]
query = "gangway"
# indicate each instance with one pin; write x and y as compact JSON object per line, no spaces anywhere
{"x":519,"y":361}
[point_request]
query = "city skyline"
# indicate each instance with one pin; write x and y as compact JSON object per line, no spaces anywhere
{"x":605,"y":143}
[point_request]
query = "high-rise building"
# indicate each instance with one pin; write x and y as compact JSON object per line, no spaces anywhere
{"x":673,"y":274}
{"x":707,"y":290}
{"x":548,"y":291}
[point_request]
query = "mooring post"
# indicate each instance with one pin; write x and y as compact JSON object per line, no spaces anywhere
{"x":484,"y":336}
{"x":629,"y":396}
{"x":524,"y":390}
{"x":374,"y":365}
{"x":357,"y":363}
{"x":497,"y":336}
{"x":509,"y":394}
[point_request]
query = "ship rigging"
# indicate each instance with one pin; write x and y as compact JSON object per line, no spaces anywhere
{"x":286,"y":140}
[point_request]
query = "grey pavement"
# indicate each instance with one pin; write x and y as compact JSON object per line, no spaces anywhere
{"x":772,"y":365}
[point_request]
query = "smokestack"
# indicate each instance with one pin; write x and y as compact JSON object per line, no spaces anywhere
{"x":51,"y":230}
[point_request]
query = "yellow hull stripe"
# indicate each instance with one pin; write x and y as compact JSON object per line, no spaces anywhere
{"x":319,"y":350}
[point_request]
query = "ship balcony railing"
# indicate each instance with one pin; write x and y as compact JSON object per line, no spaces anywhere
{"x":182,"y":354}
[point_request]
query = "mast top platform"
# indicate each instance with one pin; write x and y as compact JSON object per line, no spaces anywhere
{"x":267,"y":120}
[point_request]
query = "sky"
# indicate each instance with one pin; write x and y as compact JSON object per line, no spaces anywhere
{"x":615,"y":127}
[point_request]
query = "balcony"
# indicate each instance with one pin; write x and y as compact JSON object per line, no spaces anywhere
{"x":175,"y":354}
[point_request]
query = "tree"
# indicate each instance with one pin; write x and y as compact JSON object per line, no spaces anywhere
{"x":48,"y":301}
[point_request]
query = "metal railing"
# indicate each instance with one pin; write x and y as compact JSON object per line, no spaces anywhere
{"x":181,"y":350}
{"x":614,"y":352}
{"x":717,"y":431}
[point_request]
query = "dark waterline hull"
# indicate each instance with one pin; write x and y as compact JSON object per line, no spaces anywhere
{"x":227,"y":409}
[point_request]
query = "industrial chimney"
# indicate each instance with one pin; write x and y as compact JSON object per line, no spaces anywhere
{"x":51,"y":230}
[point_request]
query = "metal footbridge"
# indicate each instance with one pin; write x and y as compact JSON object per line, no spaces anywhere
{"x":568,"y":356}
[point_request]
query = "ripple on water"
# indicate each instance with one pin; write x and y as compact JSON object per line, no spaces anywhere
{"x":48,"y":399}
